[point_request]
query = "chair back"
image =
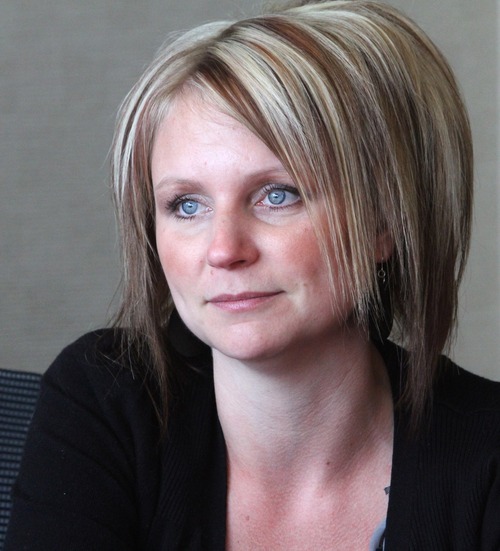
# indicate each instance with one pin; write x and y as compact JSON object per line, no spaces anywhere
{"x":18,"y":394}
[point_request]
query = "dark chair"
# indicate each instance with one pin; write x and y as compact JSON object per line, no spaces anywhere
{"x":18,"y":395}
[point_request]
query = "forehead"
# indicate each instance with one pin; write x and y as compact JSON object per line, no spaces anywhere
{"x":196,"y":137}
{"x":191,"y":113}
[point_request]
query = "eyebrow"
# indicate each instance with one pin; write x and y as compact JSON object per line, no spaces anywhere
{"x":269,"y":172}
{"x":171,"y":181}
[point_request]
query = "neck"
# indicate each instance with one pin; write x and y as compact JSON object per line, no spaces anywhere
{"x":316,"y":415}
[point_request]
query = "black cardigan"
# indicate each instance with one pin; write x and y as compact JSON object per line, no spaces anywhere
{"x":97,"y":476}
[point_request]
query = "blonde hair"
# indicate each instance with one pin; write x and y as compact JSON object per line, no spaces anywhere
{"x":360,"y":107}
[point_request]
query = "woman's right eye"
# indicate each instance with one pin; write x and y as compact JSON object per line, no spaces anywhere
{"x":188,"y":207}
{"x":185,"y":207}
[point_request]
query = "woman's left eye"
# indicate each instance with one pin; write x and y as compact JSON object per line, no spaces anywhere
{"x":282,"y":196}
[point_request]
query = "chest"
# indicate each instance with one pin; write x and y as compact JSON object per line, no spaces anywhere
{"x":345,"y":520}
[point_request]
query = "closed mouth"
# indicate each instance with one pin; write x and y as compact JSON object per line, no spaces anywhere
{"x":242,"y":302}
{"x":242,"y":296}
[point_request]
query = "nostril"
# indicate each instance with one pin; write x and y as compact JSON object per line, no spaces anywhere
{"x":232,"y":245}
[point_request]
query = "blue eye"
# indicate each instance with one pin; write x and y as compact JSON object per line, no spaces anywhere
{"x":189,"y":207}
{"x":186,"y":206}
{"x":280,"y":196}
{"x":277,"y":196}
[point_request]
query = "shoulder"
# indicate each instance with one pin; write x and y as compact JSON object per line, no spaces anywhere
{"x":462,"y":418}
{"x":96,"y":374}
{"x":455,"y":388}
{"x":99,"y":372}
{"x":95,"y":352}
{"x":465,"y":392}
{"x":98,"y":357}
{"x":445,"y":487}
{"x":465,"y":417}
{"x":94,"y":433}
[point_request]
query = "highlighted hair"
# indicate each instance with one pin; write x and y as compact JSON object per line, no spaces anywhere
{"x":362,"y":109}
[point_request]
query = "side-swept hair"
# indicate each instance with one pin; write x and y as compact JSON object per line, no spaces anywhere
{"x":361,"y":108}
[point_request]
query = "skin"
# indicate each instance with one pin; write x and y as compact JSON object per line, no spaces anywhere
{"x":303,"y":399}
{"x":239,"y":261}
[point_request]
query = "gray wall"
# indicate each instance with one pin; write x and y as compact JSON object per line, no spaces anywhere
{"x":64,"y":67}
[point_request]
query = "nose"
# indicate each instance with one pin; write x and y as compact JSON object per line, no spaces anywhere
{"x":232,"y":242}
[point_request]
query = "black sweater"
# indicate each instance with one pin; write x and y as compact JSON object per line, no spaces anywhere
{"x":96,"y":475}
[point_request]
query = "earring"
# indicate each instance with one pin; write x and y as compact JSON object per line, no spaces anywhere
{"x":380,"y":318}
{"x":382,"y":275}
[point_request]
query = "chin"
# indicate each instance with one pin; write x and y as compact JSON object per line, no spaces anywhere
{"x":254,"y":351}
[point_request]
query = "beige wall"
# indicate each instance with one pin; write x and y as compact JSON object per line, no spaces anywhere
{"x":64,"y":67}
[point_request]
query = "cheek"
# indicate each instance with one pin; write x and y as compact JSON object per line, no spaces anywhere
{"x":304,"y":253}
{"x":172,"y":258}
{"x":175,"y":267}
{"x":306,"y":263}
{"x":181,"y":262}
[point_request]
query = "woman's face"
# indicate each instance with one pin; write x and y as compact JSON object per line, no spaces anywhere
{"x":235,"y":241}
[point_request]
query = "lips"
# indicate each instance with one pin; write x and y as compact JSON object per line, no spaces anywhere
{"x":242,"y":301}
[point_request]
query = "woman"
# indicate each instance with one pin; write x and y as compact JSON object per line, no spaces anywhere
{"x":286,"y":186}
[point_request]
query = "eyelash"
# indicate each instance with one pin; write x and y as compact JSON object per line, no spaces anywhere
{"x":281,"y":187}
{"x":172,"y":205}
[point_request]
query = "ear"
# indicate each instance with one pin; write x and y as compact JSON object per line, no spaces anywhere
{"x":384,"y":245}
